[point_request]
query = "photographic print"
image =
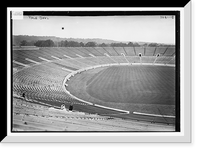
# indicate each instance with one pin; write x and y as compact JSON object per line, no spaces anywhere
{"x":95,"y":72}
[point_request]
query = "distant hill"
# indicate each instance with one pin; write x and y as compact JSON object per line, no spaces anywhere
{"x":32,"y":39}
{"x":18,"y":38}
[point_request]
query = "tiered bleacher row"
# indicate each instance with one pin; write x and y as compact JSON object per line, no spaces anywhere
{"x":45,"y":68}
{"x":99,"y":55}
{"x":40,"y":73}
{"x":42,"y":82}
{"x":32,"y":117}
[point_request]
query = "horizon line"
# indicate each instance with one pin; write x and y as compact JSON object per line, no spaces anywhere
{"x":97,"y":38}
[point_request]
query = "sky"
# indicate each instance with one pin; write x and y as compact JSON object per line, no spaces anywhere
{"x":119,"y":28}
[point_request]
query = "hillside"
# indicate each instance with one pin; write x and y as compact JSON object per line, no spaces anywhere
{"x":18,"y":38}
{"x":32,"y":39}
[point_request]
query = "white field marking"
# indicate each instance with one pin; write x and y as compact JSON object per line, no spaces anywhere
{"x":68,"y":56}
{"x":106,"y":55}
{"x":170,"y":60}
{"x":125,"y":57}
{"x":92,"y":55}
{"x":79,"y":99}
{"x":147,"y":114}
{"x":67,"y":70}
{"x":32,"y":61}
{"x":69,"y":75}
{"x":114,"y":114}
{"x":79,"y":56}
{"x":141,"y":60}
{"x":111,"y":108}
{"x":55,"y":57}
{"x":110,"y":57}
{"x":171,"y":65}
{"x":63,"y":85}
{"x":155,"y":60}
{"x":95,"y":104}
{"x":20,"y":63}
{"x":44,"y":59}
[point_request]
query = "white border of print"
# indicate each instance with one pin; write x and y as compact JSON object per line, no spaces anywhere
{"x":185,"y":72}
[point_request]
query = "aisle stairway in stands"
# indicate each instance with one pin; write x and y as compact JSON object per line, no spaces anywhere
{"x":40,"y":73}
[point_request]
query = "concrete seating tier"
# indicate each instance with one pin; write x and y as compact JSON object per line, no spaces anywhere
{"x":28,"y":116}
{"x":45,"y":54}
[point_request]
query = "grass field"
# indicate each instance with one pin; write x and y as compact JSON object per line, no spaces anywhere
{"x":140,"y":88}
{"x":134,"y":84}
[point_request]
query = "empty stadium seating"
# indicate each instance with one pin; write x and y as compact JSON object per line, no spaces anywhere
{"x":40,"y":73}
{"x":62,"y":60}
{"x":148,"y":59}
{"x":149,"y":51}
{"x":139,"y":50}
{"x":31,"y":116}
{"x":130,"y":51}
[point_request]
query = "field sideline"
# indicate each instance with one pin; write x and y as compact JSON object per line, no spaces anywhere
{"x":134,"y":88}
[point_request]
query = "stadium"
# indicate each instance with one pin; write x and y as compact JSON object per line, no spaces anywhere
{"x":93,"y":88}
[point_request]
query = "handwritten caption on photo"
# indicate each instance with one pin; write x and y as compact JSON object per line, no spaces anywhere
{"x":38,"y":17}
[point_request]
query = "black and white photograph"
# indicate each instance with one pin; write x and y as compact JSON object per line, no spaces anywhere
{"x":95,"y":71}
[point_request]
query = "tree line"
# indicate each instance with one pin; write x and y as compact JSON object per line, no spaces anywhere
{"x":50,"y":43}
